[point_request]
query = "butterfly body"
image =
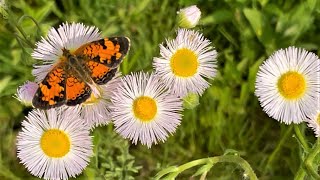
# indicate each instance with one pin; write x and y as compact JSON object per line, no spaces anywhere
{"x":68,"y":81}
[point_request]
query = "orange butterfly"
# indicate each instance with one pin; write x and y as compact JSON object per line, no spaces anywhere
{"x":67,"y":82}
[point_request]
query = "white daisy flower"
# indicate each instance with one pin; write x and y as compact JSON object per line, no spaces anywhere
{"x":96,"y":111}
{"x":54,"y":144}
{"x":185,"y":62}
{"x":26,"y":92}
{"x":189,"y":17}
{"x":143,"y":110}
{"x":287,"y":85}
{"x":314,"y":122}
{"x":68,"y":36}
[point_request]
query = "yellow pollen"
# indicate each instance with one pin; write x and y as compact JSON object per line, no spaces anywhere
{"x":184,"y":63}
{"x":55,"y":143}
{"x":91,"y":100}
{"x":291,"y":85}
{"x":145,"y":108}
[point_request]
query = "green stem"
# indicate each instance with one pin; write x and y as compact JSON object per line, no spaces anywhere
{"x":173,"y":172}
{"x":309,"y":160}
{"x":25,"y":36}
{"x":12,"y":21}
{"x":203,"y":176}
{"x":20,"y":42}
{"x":31,"y":18}
{"x":300,"y":174}
{"x":301,"y":138}
{"x":275,"y":152}
{"x":165,"y":171}
{"x":6,"y":173}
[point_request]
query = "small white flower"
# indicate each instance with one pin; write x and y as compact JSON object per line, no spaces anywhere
{"x":287,"y":85}
{"x":189,"y":17}
{"x":68,"y":36}
{"x":185,"y":62}
{"x":314,"y":122}
{"x":143,"y":110}
{"x":54,"y":144}
{"x":26,"y":92}
{"x":96,"y":111}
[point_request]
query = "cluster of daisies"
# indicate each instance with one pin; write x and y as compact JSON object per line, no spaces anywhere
{"x":288,"y":87}
{"x":144,"y":107}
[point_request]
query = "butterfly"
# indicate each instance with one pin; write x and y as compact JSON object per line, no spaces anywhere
{"x":68,"y":81}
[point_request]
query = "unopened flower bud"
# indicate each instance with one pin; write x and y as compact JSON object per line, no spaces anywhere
{"x":189,"y":17}
{"x":26,"y":92}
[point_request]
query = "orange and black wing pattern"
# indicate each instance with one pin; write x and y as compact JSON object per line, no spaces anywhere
{"x":107,"y":51}
{"x":77,"y":91}
{"x":100,"y":73}
{"x":51,"y":92}
{"x":103,"y":57}
{"x":67,"y":82}
{"x":59,"y":87}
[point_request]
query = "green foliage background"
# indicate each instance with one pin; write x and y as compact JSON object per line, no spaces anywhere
{"x":229,"y":118}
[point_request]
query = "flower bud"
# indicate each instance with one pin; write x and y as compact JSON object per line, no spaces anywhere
{"x":26,"y":92}
{"x":190,"y":101}
{"x":189,"y":17}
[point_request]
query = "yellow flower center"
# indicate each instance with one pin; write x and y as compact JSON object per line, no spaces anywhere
{"x":292,"y":85}
{"x":55,"y":143}
{"x":145,"y":108}
{"x":91,"y":100}
{"x":184,"y":63}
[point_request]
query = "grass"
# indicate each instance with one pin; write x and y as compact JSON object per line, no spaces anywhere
{"x":228,"y":120}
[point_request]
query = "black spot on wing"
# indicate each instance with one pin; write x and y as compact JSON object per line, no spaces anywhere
{"x":82,"y":95}
{"x":124,"y":43}
{"x":37,"y":101}
{"x":106,"y":78}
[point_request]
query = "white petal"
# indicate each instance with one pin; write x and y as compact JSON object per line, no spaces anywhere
{"x":165,"y":121}
{"x":36,"y":161}
{"x":281,"y":62}
{"x":207,"y":56}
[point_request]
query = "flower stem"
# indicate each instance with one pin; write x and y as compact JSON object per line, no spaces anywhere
{"x":32,"y":19}
{"x":277,"y":149}
{"x":300,"y":174}
{"x":309,"y":160}
{"x":300,"y":138}
{"x":12,"y":21}
{"x":173,"y":172}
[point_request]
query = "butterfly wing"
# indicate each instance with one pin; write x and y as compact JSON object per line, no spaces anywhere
{"x":77,"y":91}
{"x":62,"y":86}
{"x":51,"y":92}
{"x":99,"y":72}
{"x":103,"y":57}
{"x":108,"y":51}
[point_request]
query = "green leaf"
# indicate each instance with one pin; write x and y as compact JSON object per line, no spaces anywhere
{"x":244,"y":93}
{"x":294,"y":23}
{"x":90,"y":173}
{"x":253,"y":73}
{"x":218,"y":17}
{"x":255,"y":18}
{"x":4,"y":82}
{"x":261,"y":27}
{"x":142,"y":6}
